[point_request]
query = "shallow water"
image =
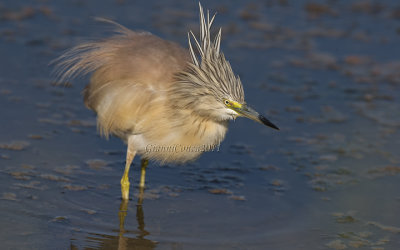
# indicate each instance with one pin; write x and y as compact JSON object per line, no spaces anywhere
{"x":326,"y":73}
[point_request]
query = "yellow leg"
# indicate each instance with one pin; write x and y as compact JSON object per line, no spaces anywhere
{"x":144,"y":164}
{"x":130,"y":154}
{"x":140,"y":197}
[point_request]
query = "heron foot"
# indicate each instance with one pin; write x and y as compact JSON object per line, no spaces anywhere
{"x":125,"y":188}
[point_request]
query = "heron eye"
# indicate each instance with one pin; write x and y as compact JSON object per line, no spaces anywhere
{"x":227,"y":103}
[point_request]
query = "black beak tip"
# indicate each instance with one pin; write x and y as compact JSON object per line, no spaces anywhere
{"x":266,"y":122}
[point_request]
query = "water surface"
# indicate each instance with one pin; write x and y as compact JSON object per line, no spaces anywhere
{"x":326,"y":72}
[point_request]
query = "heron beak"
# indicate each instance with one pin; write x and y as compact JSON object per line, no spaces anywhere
{"x":244,"y":110}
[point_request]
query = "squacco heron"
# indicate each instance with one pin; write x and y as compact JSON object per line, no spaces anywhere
{"x":167,"y":103}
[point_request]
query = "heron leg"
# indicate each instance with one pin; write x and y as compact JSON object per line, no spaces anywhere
{"x":144,"y":164}
{"x":130,"y":154}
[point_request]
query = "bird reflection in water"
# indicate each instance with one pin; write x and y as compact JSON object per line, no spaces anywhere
{"x":126,"y":239}
{"x":140,"y":241}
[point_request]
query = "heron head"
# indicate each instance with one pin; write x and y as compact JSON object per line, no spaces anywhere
{"x":211,"y":88}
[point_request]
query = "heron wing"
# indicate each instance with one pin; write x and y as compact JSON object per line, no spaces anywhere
{"x":131,"y":74}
